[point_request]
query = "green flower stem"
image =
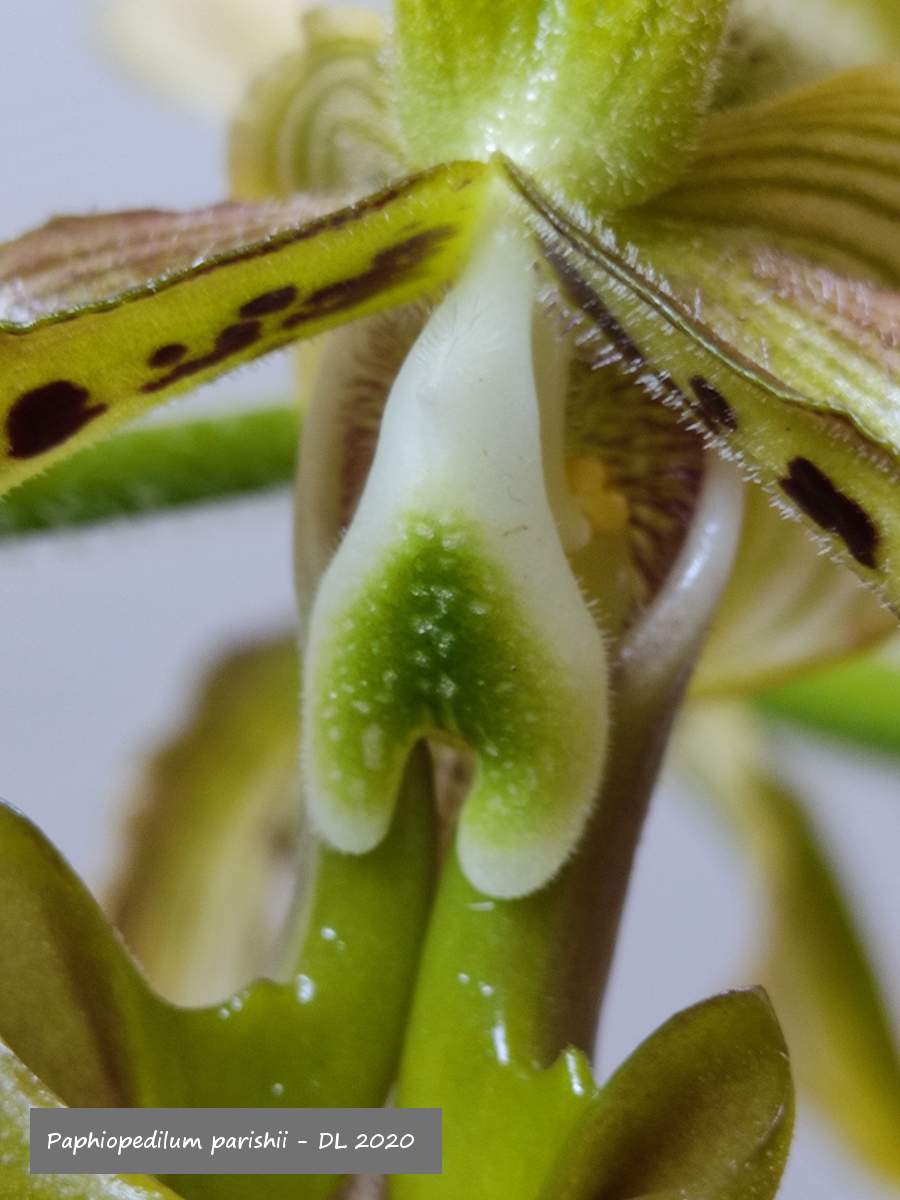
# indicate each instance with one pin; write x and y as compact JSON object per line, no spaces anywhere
{"x":505,"y":987}
{"x":858,"y":700}
{"x":168,"y":466}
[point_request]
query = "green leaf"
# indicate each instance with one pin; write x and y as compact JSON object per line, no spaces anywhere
{"x":146,"y":470}
{"x":74,"y":1008}
{"x":703,"y":1110}
{"x":67,"y":988}
{"x":817,"y":170}
{"x":784,"y":365}
{"x":599,"y":101}
{"x":21,"y":1091}
{"x":786,"y":609}
{"x":87,"y":345}
{"x":859,"y":701}
{"x":815,"y":966}
{"x":215,"y":831}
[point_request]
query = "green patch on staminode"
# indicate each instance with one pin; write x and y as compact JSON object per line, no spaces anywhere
{"x":436,"y":640}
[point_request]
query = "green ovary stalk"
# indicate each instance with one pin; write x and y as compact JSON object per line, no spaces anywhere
{"x":450,"y":608}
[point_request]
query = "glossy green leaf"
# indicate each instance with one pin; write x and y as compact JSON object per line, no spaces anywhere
{"x":815,"y":967}
{"x":108,"y":316}
{"x":858,"y":700}
{"x":787,"y":609}
{"x":21,"y":1091}
{"x":67,"y":989}
{"x":214,"y":832}
{"x":784,"y":366}
{"x":147,"y":470}
{"x":817,"y":170}
{"x":74,"y":1008}
{"x":703,"y":1110}
{"x":598,"y":100}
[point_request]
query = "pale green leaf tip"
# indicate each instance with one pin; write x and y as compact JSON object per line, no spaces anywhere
{"x":450,"y":608}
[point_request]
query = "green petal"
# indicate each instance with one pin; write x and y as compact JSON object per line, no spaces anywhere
{"x":215,"y":831}
{"x":818,"y":170}
{"x":146,"y":470}
{"x":600,"y":101}
{"x":88,"y":345}
{"x":786,"y":609}
{"x":21,"y":1091}
{"x":702,"y":1110}
{"x":816,"y":967}
{"x":785,"y":366}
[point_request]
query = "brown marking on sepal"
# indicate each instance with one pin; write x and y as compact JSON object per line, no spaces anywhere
{"x":831,"y":509}
{"x":712,"y":407}
{"x":391,"y":266}
{"x":232,"y":340}
{"x":46,"y":416}
{"x":168,"y":355}
{"x":269,"y":302}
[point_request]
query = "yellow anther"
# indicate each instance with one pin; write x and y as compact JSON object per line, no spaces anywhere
{"x":602,"y":502}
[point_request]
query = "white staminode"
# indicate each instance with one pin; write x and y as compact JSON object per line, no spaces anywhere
{"x":459,"y":459}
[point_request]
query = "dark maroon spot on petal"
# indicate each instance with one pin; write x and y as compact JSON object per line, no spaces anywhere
{"x":396,"y":264}
{"x":237,"y":337}
{"x":167,"y":356}
{"x":270,"y":302}
{"x":232,"y":340}
{"x":715,"y":410}
{"x":831,"y":509}
{"x":48,"y":415}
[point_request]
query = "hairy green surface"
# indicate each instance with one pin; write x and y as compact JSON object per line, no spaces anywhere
{"x":783,"y":365}
{"x":599,"y":100}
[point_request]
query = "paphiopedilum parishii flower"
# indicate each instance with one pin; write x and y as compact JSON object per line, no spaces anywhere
{"x":684,"y":273}
{"x":613,"y":265}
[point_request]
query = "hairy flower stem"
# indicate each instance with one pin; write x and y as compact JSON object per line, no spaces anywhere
{"x":505,"y":987}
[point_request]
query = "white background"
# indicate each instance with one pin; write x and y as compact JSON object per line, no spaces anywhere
{"x":103,"y":632}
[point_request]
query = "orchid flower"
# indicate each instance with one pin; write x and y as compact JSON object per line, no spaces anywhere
{"x":598,"y":318}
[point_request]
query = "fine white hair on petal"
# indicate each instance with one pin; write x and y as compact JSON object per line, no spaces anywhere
{"x":199,"y":54}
